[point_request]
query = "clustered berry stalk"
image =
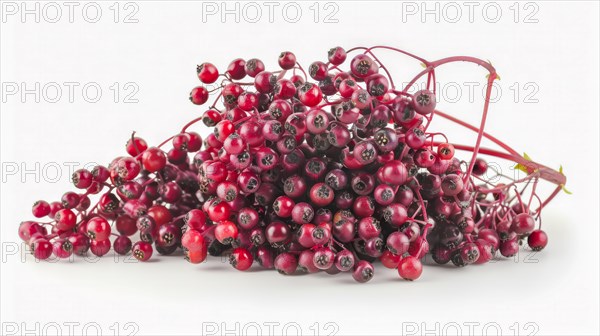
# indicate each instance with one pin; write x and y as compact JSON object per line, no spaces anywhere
{"x":306,"y":176}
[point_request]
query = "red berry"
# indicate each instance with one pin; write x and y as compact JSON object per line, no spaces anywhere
{"x":410,"y":268}
{"x":389,"y":259}
{"x":286,"y":263}
{"x":160,"y":214}
{"x":363,"y":271}
{"x":207,"y":73}
{"x":136,"y":146}
{"x":40,"y":209}
{"x":446,"y":151}
{"x":287,"y":60}
{"x":41,"y":249}
{"x":199,"y":95}
{"x":98,"y":229}
{"x":195,"y":219}
{"x":310,"y":94}
{"x":142,"y":251}
{"x":236,"y":70}
{"x":100,"y":247}
{"x":65,"y":219}
{"x":82,"y":178}
{"x":122,"y":245}
{"x":28,"y":229}
{"x":424,"y":102}
{"x":226,"y":232}
{"x":253,"y":67}
{"x":241,"y":259}
{"x":336,"y":55}
{"x":153,"y":159}
{"x":537,"y":240}
{"x":126,"y":225}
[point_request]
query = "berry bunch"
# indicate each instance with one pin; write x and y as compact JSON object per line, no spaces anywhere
{"x":305,"y":171}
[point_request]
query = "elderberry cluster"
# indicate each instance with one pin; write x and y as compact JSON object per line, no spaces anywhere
{"x":304,"y":171}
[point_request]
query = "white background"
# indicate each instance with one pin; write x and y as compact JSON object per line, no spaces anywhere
{"x":552,"y":47}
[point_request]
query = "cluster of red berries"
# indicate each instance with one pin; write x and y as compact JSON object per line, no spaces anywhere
{"x":325,"y":170}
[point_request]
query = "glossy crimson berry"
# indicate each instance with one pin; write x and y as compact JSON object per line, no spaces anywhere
{"x":278,"y":233}
{"x":98,"y":229}
{"x":207,"y":73}
{"x":136,"y":146}
{"x":384,"y":194}
{"x":321,"y":194}
{"x":283,"y":206}
{"x":362,"y":66}
{"x":265,"y":82}
{"x":424,"y":102}
{"x":287,"y":60}
{"x":160,"y":214}
{"x":363,"y":271}
{"x":537,"y":240}
{"x":302,"y":213}
{"x":446,"y":151}
{"x":323,"y":258}
{"x":40,"y":209}
{"x":193,"y":240}
{"x":199,"y":95}
{"x":398,"y":243}
{"x":153,"y":159}
{"x":236,"y":69}
{"x":80,"y":242}
{"x":247,"y":101}
{"x":389,"y":259}
{"x":253,"y":67}
{"x":344,"y":260}
{"x":363,"y":206}
{"x":65,"y":219}
{"x":336,"y":55}
{"x":41,"y":249}
{"x":369,"y":227}
{"x":241,"y":259}
{"x":304,"y":235}
{"x":142,"y":251}
{"x":219,"y":211}
{"x":27,"y":229}
{"x":410,"y":268}
{"x":286,"y":263}
{"x":394,"y":172}
{"x":523,"y":223}
{"x":100,"y":173}
{"x":82,"y":178}
{"x":317,"y":70}
{"x":126,"y":225}
{"x":479,"y":167}
{"x":284,"y":89}
{"x":100,"y":247}
{"x":122,"y":245}
{"x":321,"y":234}
{"x":310,"y":94}
{"x":226,"y":232}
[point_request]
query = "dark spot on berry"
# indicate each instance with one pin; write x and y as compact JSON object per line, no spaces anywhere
{"x":423,"y":99}
{"x":363,"y":67}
